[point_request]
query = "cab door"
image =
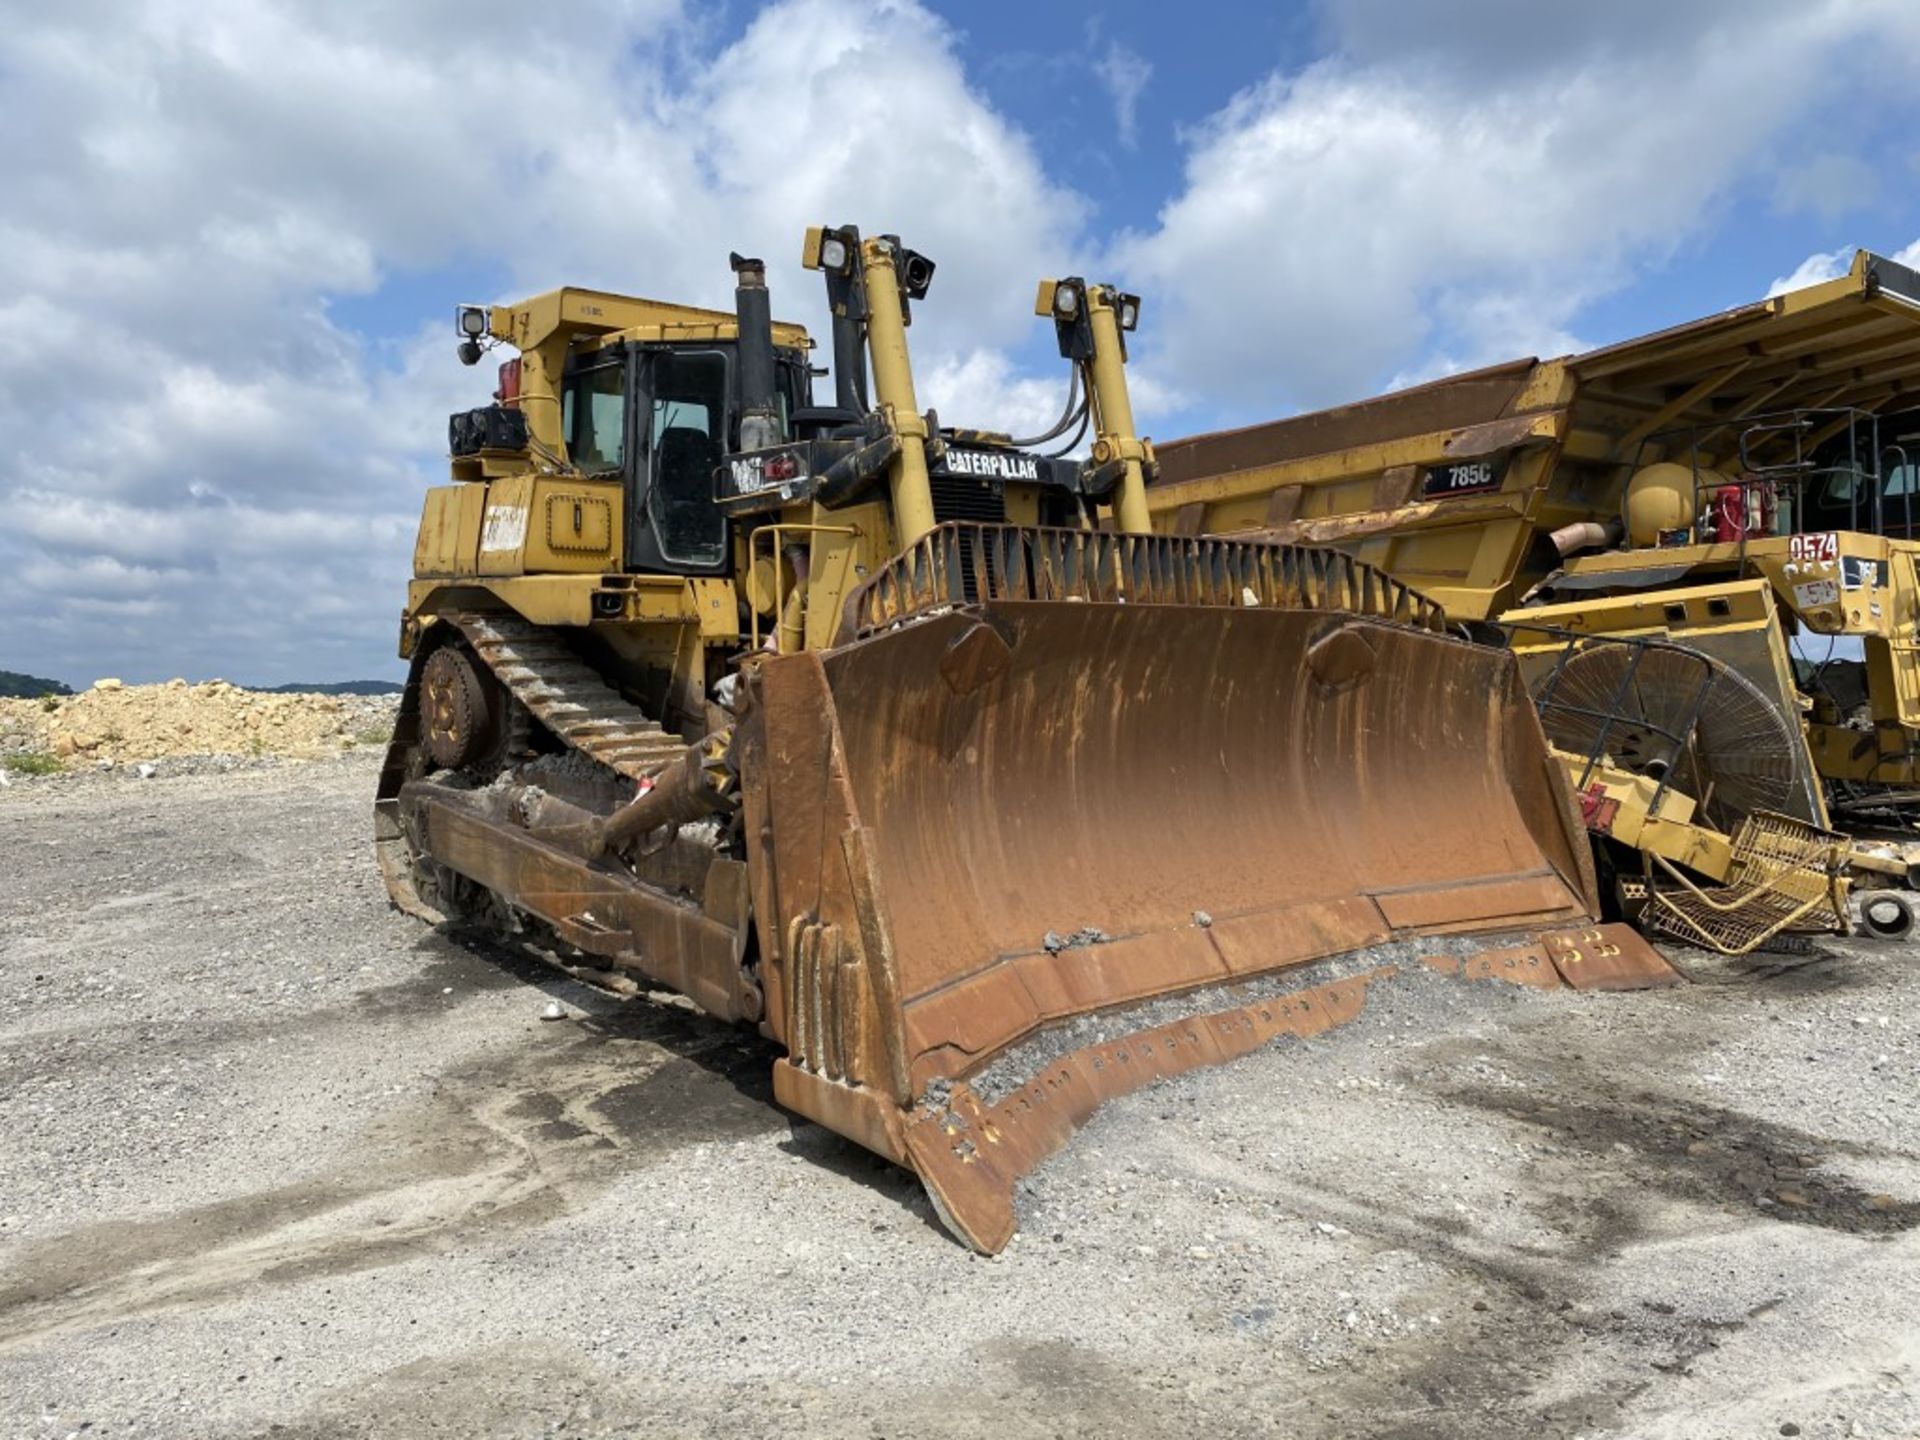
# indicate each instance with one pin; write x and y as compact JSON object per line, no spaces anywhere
{"x":680,"y":433}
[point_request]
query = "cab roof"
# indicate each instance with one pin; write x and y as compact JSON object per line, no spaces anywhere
{"x":600,"y":317}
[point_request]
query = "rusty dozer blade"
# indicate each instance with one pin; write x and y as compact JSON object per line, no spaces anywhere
{"x":996,"y":817}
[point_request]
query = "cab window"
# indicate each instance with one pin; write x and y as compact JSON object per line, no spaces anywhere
{"x":592,"y":417}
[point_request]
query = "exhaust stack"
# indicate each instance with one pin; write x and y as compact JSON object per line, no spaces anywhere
{"x":759,"y":407}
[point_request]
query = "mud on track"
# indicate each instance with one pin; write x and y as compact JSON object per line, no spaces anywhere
{"x":278,"y":1162}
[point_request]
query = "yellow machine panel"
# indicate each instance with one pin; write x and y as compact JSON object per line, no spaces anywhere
{"x":579,"y":522}
{"x":577,"y":526}
{"x":503,"y":526}
{"x":1735,"y":624}
{"x":449,"y":530}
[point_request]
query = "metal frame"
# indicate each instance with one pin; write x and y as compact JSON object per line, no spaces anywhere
{"x":773,"y":533}
{"x":1903,"y":461}
{"x":1783,"y":871}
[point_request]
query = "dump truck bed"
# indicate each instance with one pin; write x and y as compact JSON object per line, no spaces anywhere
{"x":1453,"y":486}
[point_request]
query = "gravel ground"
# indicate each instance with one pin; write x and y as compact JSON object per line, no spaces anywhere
{"x":280,"y":1162}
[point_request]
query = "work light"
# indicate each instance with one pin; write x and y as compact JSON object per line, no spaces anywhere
{"x":916,"y":274}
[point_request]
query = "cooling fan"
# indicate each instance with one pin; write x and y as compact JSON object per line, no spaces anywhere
{"x":1736,"y":757}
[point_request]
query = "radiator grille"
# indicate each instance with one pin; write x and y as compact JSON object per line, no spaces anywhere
{"x":958,"y":499}
{"x":966,"y":497}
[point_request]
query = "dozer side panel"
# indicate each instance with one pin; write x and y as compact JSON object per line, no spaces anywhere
{"x":573,"y":525}
{"x":503,"y":526}
{"x":1203,"y":794}
{"x":827,"y":968}
{"x":449,"y":531}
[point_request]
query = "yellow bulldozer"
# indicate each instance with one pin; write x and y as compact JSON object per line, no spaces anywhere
{"x":1701,"y":543}
{"x":913,"y":747}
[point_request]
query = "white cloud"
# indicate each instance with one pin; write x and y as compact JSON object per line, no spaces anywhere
{"x":1819,"y":266}
{"x":206,"y":463}
{"x":1447,"y":194}
{"x":982,"y":390}
{"x":1124,"y":74}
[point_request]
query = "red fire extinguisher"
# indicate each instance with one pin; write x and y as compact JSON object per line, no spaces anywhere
{"x":1729,"y":520}
{"x":1742,"y":511}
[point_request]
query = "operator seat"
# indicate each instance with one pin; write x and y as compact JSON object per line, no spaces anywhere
{"x":682,"y":502}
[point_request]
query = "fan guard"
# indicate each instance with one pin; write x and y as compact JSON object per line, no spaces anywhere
{"x":1739,"y":757}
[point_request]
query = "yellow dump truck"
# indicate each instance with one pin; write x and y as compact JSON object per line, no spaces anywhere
{"x":1745,"y":486}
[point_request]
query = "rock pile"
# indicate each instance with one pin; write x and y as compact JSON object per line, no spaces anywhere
{"x":130,"y":723}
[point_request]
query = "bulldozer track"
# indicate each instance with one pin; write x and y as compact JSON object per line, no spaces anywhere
{"x":567,"y":696}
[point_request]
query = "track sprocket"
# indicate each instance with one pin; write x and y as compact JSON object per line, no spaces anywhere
{"x":458,"y":709}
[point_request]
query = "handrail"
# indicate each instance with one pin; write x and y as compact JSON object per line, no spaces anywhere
{"x":773,"y":534}
{"x":1788,"y":480}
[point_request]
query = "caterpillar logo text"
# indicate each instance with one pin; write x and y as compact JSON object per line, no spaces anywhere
{"x":994,"y":464}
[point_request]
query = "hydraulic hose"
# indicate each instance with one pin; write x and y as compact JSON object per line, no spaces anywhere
{"x":1067,"y":415}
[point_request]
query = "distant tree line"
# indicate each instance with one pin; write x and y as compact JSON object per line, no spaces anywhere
{"x":15,"y":686}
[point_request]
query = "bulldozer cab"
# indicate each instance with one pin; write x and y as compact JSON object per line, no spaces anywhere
{"x":663,"y":417}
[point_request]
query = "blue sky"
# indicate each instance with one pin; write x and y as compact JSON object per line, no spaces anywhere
{"x":247,"y":222}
